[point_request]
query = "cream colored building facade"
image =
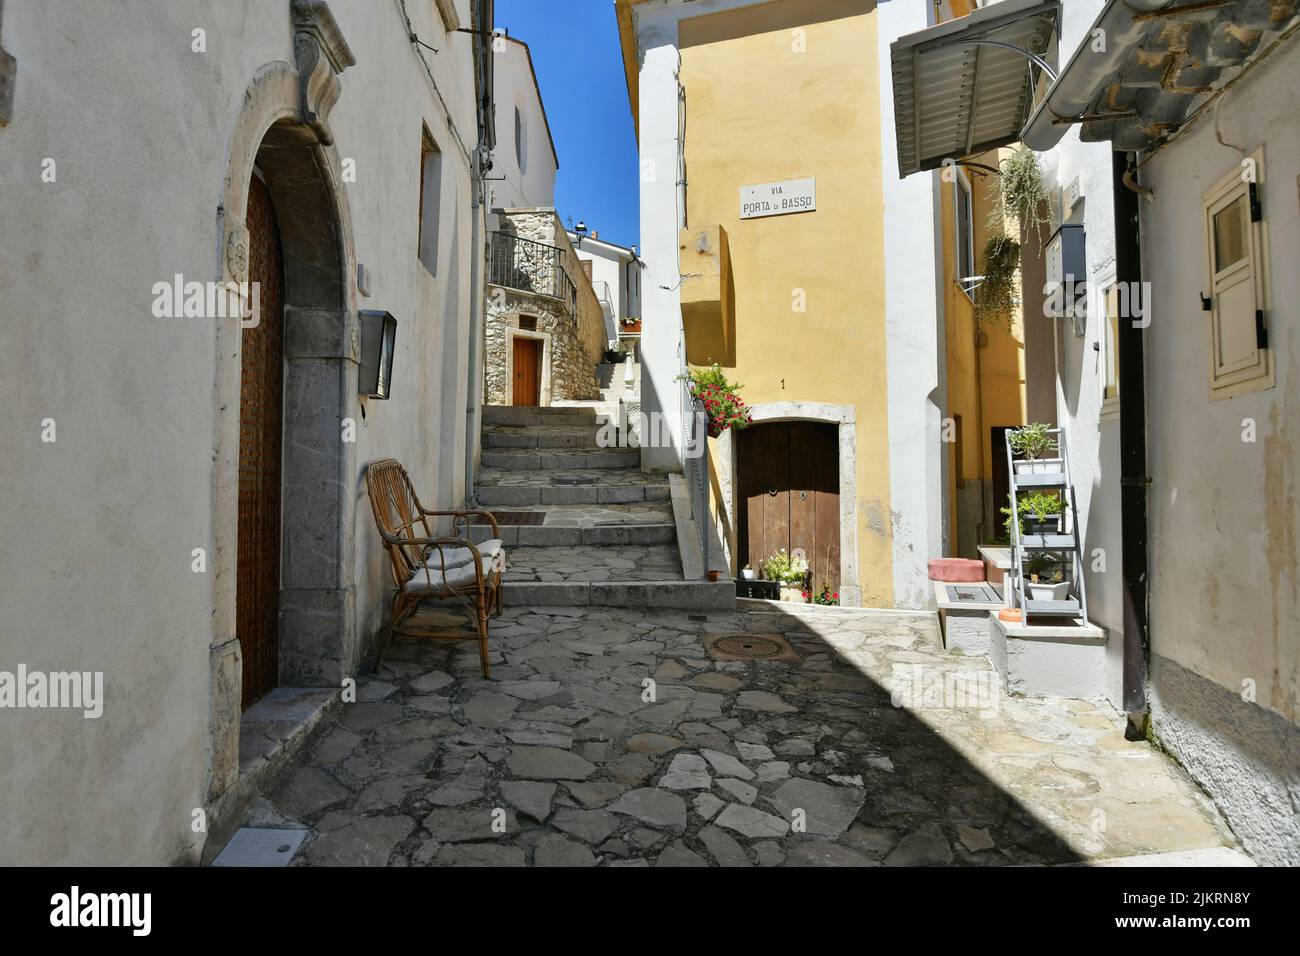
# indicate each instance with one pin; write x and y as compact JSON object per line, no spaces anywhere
{"x":132,"y":153}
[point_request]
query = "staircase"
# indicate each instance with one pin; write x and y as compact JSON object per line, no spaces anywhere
{"x":1060,"y":543}
{"x":582,"y":525}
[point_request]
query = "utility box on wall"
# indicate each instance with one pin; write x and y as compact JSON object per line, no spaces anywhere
{"x":1067,"y":275}
{"x":378,"y":342}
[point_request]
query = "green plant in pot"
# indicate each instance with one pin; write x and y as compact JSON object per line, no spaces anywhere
{"x":1039,"y":513}
{"x":789,"y":570}
{"x":1046,"y":578}
{"x":1035,"y":446}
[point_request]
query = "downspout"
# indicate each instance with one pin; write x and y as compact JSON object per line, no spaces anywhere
{"x":484,"y":16}
{"x":1132,"y":454}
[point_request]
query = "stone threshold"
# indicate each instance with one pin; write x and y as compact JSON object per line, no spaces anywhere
{"x":271,"y":735}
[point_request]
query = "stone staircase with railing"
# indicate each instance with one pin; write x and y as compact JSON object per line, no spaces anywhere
{"x":581,"y":523}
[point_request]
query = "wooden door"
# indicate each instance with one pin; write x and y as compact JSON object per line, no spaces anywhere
{"x":528,"y":371}
{"x":261,"y":399}
{"x":789,"y":480}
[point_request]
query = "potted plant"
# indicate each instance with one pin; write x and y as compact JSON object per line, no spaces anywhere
{"x":748,"y":573}
{"x":788,"y":570}
{"x":1040,"y":512}
{"x":721,"y":401}
{"x":1035,"y":445}
{"x":825,"y":597}
{"x":1046,"y":579}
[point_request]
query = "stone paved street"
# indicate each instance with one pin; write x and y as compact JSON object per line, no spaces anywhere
{"x":560,"y":761}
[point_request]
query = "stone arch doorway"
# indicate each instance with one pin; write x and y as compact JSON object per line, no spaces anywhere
{"x":282,"y":131}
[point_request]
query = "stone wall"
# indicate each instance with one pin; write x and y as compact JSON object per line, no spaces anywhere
{"x":573,"y":346}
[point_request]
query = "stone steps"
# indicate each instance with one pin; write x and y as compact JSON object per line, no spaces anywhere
{"x":556,"y":536}
{"x":560,"y":459}
{"x":534,"y":415}
{"x":541,"y":436}
{"x":498,"y":488}
{"x":609,"y":533}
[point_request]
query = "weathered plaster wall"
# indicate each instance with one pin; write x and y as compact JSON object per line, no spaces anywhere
{"x":109,"y":514}
{"x":574,"y":345}
{"x":1225,"y":612}
{"x":1093,"y":444}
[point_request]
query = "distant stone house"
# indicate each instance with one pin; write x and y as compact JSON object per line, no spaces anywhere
{"x":545,"y":325}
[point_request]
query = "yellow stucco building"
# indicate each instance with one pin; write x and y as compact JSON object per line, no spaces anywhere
{"x":828,"y":310}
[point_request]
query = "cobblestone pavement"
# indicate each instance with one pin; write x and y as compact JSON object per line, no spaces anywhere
{"x":570,"y":757}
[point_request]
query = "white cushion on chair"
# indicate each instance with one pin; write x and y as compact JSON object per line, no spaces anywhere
{"x":461,"y":557}
{"x":432,"y":580}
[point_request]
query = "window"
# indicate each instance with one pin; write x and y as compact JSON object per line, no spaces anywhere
{"x":1239,"y":354}
{"x":521,"y":146}
{"x":965,"y":237}
{"x":1108,"y":345}
{"x":430,"y":202}
{"x":528,"y":323}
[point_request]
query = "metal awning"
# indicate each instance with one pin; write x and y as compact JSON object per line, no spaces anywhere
{"x":968,"y":85}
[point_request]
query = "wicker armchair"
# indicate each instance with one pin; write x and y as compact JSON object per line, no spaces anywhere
{"x":427,"y":567}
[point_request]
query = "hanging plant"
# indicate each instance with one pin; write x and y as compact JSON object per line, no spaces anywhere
{"x":996,"y":296}
{"x":1022,"y":197}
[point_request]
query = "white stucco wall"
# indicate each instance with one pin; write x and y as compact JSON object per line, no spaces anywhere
{"x":1223,"y":525}
{"x":918,"y":459}
{"x":108,"y":515}
{"x":611,"y":265}
{"x":516,"y":88}
{"x":662,"y":345}
{"x":1093,"y":444}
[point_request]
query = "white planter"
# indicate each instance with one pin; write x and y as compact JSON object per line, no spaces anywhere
{"x":1038,"y":466}
{"x":1048,"y":592}
{"x":748,"y":574}
{"x":792,"y":592}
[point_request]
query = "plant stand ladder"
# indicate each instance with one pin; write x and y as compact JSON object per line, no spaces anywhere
{"x":1075,"y":606}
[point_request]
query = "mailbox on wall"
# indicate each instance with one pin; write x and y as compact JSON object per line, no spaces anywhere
{"x":378,"y":343}
{"x":1067,"y":275}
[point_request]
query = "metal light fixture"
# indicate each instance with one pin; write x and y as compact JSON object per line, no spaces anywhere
{"x":581,"y":230}
{"x":378,"y":344}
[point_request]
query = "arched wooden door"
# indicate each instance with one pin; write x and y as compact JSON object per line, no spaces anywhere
{"x":261,"y":417}
{"x":789,"y":481}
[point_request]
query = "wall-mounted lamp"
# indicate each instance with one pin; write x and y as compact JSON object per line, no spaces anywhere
{"x":378,"y":343}
{"x":581,"y":230}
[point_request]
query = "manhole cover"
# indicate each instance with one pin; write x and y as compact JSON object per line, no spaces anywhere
{"x":750,"y":647}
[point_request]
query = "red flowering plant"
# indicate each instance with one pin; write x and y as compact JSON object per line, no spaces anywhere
{"x":720,"y":398}
{"x":825,"y":597}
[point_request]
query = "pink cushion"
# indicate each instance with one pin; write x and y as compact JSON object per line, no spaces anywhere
{"x":957,"y":570}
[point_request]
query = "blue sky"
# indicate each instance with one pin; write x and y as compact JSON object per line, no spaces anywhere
{"x":580,"y":70}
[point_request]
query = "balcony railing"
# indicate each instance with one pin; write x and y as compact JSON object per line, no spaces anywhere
{"x":529,"y":266}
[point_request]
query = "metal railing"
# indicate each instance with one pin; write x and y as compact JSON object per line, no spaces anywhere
{"x":695,"y":465}
{"x":529,"y":266}
{"x":604,"y":296}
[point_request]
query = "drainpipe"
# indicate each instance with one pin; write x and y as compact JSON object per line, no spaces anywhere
{"x":1132,"y":454}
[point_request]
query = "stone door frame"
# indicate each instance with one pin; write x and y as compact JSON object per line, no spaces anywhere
{"x":844,"y":417}
{"x":544,"y":391}
{"x":282,"y":129}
